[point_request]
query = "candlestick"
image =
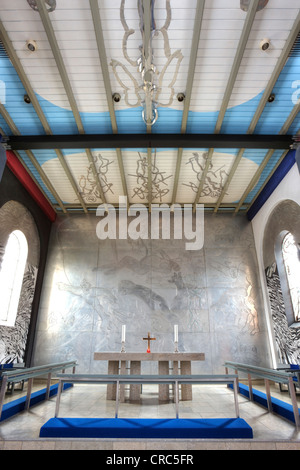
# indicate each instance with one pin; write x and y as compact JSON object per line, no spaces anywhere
{"x":123,"y":338}
{"x":176,"y":333}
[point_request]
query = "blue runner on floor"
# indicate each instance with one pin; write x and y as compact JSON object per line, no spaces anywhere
{"x":230,"y":428}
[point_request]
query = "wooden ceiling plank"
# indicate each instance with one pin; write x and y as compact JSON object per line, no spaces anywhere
{"x":67,"y":86}
{"x":29,"y":90}
{"x":189,"y":86}
{"x":229,"y":87}
{"x":105,"y":72}
{"x":9,"y":121}
{"x":276,"y":72}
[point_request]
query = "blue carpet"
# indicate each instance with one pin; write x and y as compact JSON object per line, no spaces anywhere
{"x":235,"y":428}
{"x":278,"y":406}
{"x":16,"y":406}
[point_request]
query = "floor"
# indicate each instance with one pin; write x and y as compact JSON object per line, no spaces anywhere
{"x":209,"y":401}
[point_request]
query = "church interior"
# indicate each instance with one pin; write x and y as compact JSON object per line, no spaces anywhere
{"x":150,"y":224}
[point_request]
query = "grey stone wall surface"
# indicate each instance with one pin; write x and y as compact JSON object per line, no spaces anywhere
{"x":92,"y":287}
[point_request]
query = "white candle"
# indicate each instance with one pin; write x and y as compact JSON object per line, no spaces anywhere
{"x":176,"y":333}
{"x":123,"y":333}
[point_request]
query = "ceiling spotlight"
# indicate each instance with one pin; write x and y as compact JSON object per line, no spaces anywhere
{"x":116,"y":97}
{"x":180,"y":97}
{"x":271,"y":98}
{"x":27,"y":99}
{"x":264,"y":44}
{"x":31,"y":45}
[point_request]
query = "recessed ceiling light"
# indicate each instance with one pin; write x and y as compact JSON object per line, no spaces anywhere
{"x":264,"y":44}
{"x":31,"y":45}
{"x":181,"y":97}
{"x":271,"y":98}
{"x":27,"y":99}
{"x":116,"y":97}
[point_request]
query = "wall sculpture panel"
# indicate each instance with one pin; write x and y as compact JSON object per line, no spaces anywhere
{"x":13,"y":340}
{"x":285,"y":217}
{"x":92,"y":287}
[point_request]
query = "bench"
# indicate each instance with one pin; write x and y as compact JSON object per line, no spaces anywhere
{"x":174,"y":380}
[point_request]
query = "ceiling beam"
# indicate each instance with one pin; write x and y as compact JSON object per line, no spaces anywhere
{"x":34,"y":101}
{"x":272,"y":172}
{"x":117,"y":206}
{"x":268,"y":179}
{"x":6,"y":116}
{"x":229,"y":178}
{"x":268,"y":90}
{"x":229,"y":87}
{"x":276,"y":72}
{"x":149,"y":165}
{"x":3,"y":135}
{"x":237,"y":62}
{"x":239,"y":156}
{"x":105,"y":75}
{"x":189,"y":86}
{"x":256,"y":177}
{"x":147,"y":56}
{"x":158,"y":141}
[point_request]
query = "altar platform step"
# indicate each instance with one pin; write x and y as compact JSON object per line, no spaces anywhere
{"x":229,"y":428}
{"x":279,"y":407}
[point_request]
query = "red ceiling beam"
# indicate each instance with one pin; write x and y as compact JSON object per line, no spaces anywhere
{"x":25,"y":179}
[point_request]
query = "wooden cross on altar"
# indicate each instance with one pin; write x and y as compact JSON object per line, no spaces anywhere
{"x":149,"y":339}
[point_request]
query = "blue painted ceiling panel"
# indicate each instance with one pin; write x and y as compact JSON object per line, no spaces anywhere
{"x":180,"y":92}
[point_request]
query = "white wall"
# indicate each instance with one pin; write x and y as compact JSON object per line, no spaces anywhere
{"x":289,"y":188}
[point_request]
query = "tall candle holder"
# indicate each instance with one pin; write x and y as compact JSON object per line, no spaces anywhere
{"x":176,"y":338}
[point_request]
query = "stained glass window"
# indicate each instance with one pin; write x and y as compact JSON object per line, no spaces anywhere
{"x":11,"y":276}
{"x":291,"y":258}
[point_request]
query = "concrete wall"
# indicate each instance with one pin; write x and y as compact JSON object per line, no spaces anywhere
{"x":92,"y":287}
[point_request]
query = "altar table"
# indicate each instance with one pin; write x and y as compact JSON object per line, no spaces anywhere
{"x":181,"y":363}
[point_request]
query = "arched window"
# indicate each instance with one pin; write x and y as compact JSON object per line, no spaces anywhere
{"x":291,"y":260}
{"x":11,"y":276}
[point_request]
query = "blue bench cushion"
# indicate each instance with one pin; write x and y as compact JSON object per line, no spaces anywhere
{"x":235,"y":428}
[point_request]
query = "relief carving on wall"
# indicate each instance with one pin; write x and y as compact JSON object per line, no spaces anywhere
{"x":287,"y":338}
{"x":13,"y":339}
{"x":14,"y":216}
